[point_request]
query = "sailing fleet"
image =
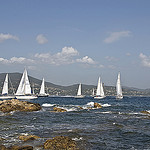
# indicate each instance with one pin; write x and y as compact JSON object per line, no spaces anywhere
{"x":24,"y":91}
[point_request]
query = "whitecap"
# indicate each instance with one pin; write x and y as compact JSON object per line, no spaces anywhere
{"x":77,"y":139}
{"x":90,"y":104}
{"x":47,"y":105}
{"x":106,"y":105}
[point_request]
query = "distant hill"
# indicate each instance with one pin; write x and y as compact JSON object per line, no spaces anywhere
{"x":53,"y":89}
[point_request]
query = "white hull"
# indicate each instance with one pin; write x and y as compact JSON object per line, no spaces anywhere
{"x":99,"y":97}
{"x":119,"y":97}
{"x":43,"y":95}
{"x":79,"y":96}
{"x":7,"y":97}
{"x":26,"y":97}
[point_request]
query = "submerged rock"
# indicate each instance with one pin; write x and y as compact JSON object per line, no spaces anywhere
{"x":2,"y":147}
{"x":97,"y":105}
{"x":28,"y":137}
{"x":7,"y":106}
{"x":27,"y":147}
{"x":145,"y":112}
{"x":56,"y":109}
{"x":60,"y":143}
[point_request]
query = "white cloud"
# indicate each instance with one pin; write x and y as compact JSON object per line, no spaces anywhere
{"x":16,"y":60}
{"x":63,"y":57}
{"x":86,"y":60}
{"x":4,"y":37}
{"x":110,"y":58}
{"x":41,"y":39}
{"x":145,"y":60}
{"x":128,"y":54}
{"x":114,"y":36}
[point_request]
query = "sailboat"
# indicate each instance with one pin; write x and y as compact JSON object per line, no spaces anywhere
{"x":100,"y":91}
{"x":5,"y":94}
{"x":93,"y":93}
{"x":118,"y":88}
{"x":42,"y":90}
{"x":24,"y":89}
{"x":79,"y":93}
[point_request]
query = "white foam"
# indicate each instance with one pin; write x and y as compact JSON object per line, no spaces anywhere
{"x":90,"y":104}
{"x":77,"y":139}
{"x":47,"y":105}
{"x":105,"y":105}
{"x":106,"y":112}
{"x":148,"y":111}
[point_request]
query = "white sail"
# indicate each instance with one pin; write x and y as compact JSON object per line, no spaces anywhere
{"x":42,"y":90}
{"x":93,"y":92}
{"x":24,"y":86}
{"x":5,"y":86}
{"x":79,"y":90}
{"x":100,"y":91}
{"x":27,"y":89}
{"x":79,"y":93}
{"x":118,"y":88}
{"x":98,"y":87}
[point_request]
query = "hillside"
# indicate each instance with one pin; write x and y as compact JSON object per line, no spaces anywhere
{"x":53,"y":89}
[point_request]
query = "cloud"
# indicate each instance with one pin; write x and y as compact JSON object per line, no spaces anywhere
{"x":128,"y":54}
{"x":86,"y":60}
{"x":16,"y":60}
{"x":4,"y":37}
{"x":145,"y":60}
{"x":60,"y":58}
{"x":41,"y":39}
{"x":115,"y":36}
{"x":110,"y":58}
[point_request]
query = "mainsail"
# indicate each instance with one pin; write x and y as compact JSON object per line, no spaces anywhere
{"x":42,"y":90}
{"x":5,"y":86}
{"x":118,"y":88}
{"x":24,"y":86}
{"x":100,"y":91}
{"x":79,"y":90}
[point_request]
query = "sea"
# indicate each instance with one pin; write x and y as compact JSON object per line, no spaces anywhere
{"x":118,"y":125}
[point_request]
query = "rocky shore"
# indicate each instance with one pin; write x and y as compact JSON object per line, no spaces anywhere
{"x":56,"y":143}
{"x":7,"y":106}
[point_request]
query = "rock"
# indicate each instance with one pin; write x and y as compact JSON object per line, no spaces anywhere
{"x":56,"y":109}
{"x":28,"y":137}
{"x":7,"y":106}
{"x":27,"y":147}
{"x":60,"y":143}
{"x":97,"y":105}
{"x":2,"y":147}
{"x":145,"y":112}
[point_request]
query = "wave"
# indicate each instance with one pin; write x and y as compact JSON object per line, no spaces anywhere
{"x":69,"y":108}
{"x":48,"y":105}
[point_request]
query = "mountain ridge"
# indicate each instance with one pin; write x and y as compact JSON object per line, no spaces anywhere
{"x":54,"y":89}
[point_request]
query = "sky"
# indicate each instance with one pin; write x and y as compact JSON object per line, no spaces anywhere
{"x":76,"y":41}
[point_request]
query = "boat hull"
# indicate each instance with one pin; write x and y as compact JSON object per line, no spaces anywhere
{"x":46,"y":95}
{"x":119,"y":97}
{"x":26,"y":97}
{"x":99,"y":97}
{"x":7,"y":96}
{"x":79,"y":96}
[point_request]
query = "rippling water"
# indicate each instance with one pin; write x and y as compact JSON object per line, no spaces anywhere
{"x":119,"y":124}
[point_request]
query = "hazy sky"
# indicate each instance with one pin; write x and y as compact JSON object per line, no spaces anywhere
{"x":73,"y":41}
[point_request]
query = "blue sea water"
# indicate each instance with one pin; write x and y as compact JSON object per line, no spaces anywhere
{"x":118,"y":125}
